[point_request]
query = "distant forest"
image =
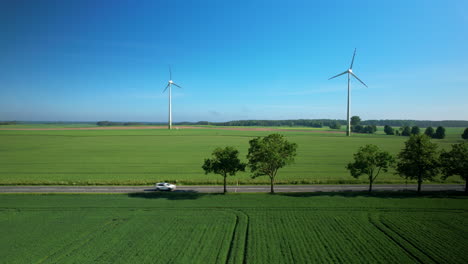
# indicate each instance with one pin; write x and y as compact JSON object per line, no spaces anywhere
{"x":290,"y":123}
{"x":329,"y":122}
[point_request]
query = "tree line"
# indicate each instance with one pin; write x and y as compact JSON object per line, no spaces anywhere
{"x":109,"y":123}
{"x":327,"y":122}
{"x":439,"y":133}
{"x":8,"y":123}
{"x":419,"y":160}
{"x":420,"y":123}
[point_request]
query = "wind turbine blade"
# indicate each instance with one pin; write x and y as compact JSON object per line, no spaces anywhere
{"x":170,"y":73}
{"x":176,"y":85}
{"x":352,"y":61}
{"x":338,"y":75}
{"x":166,"y":88}
{"x":358,"y":79}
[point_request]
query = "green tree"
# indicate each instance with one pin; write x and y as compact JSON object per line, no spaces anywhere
{"x":369,"y":160}
{"x":455,"y":162}
{"x":355,"y":120}
{"x":268,"y":154}
{"x":335,"y":125}
{"x":225,"y":162}
{"x":405,"y":131}
{"x":418,"y":160}
{"x":389,"y":130}
{"x":440,"y":133}
{"x":465,"y":134}
{"x":357,"y":129}
{"x":429,"y":132}
{"x":415,"y":130}
{"x":370,"y":129}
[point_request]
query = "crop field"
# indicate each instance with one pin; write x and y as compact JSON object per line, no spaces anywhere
{"x":146,"y":156}
{"x":234,"y":228}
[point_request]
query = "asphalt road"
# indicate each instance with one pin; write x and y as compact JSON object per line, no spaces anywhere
{"x":244,"y":188}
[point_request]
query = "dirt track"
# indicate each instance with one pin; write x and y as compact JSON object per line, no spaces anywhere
{"x":177,"y":127}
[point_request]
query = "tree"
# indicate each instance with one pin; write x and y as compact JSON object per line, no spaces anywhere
{"x":355,"y":120}
{"x":455,"y":162}
{"x":225,"y":162}
{"x":389,"y":130}
{"x":397,"y":132}
{"x":418,"y":160}
{"x":465,"y":134}
{"x":415,"y":130}
{"x":370,"y":129}
{"x":357,"y":128}
{"x":369,"y":160}
{"x":405,"y":131}
{"x":268,"y":154}
{"x":429,"y":132}
{"x":334,"y":125}
{"x":440,"y":133}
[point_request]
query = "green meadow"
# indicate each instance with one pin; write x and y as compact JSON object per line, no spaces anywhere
{"x":146,"y":156}
{"x":234,"y":228}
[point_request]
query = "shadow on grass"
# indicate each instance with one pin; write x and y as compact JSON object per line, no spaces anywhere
{"x":382,"y":194}
{"x":175,"y":195}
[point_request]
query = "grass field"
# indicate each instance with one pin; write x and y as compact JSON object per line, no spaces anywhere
{"x":133,"y":157}
{"x":234,"y":228}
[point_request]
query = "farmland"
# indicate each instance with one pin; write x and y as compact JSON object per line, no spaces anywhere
{"x":235,"y":228}
{"x":145,"y":156}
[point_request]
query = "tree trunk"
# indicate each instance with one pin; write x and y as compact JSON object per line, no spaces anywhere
{"x":419,"y":185}
{"x":225,"y":190}
{"x":466,"y":186}
{"x":271,"y":185}
{"x":370,"y":186}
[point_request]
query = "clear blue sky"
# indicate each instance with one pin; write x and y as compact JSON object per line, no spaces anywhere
{"x":108,"y":60}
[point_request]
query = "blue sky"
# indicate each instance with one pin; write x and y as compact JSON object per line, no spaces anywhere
{"x":108,"y":60}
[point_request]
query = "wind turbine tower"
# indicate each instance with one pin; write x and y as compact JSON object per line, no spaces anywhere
{"x":169,"y":85}
{"x":349,"y":72}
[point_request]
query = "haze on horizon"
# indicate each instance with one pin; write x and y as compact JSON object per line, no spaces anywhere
{"x":90,"y":61}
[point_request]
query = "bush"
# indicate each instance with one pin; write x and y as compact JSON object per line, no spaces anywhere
{"x":465,"y":134}
{"x":335,"y":125}
{"x":415,"y":130}
{"x":405,"y":131}
{"x":440,"y":133}
{"x":389,"y":130}
{"x":429,"y":132}
{"x":364,"y":129}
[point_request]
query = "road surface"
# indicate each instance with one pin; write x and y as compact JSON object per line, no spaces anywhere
{"x":243,"y":188}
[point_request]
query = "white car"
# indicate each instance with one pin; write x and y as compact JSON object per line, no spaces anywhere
{"x":164,"y":186}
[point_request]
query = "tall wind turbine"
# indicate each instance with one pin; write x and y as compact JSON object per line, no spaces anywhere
{"x":169,"y":85}
{"x":349,"y":72}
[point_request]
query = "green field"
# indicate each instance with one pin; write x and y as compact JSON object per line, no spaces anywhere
{"x":234,"y":228}
{"x":133,"y":157}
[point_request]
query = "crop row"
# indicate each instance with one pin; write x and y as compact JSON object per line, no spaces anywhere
{"x":246,"y":228}
{"x":121,"y":236}
{"x":432,"y":233}
{"x":293,"y":236}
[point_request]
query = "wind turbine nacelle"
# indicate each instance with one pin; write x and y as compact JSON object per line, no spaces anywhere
{"x":350,"y":70}
{"x":170,"y":81}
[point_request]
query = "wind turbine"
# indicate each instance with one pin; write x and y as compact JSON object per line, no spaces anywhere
{"x":349,"y":72}
{"x":169,"y":85}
